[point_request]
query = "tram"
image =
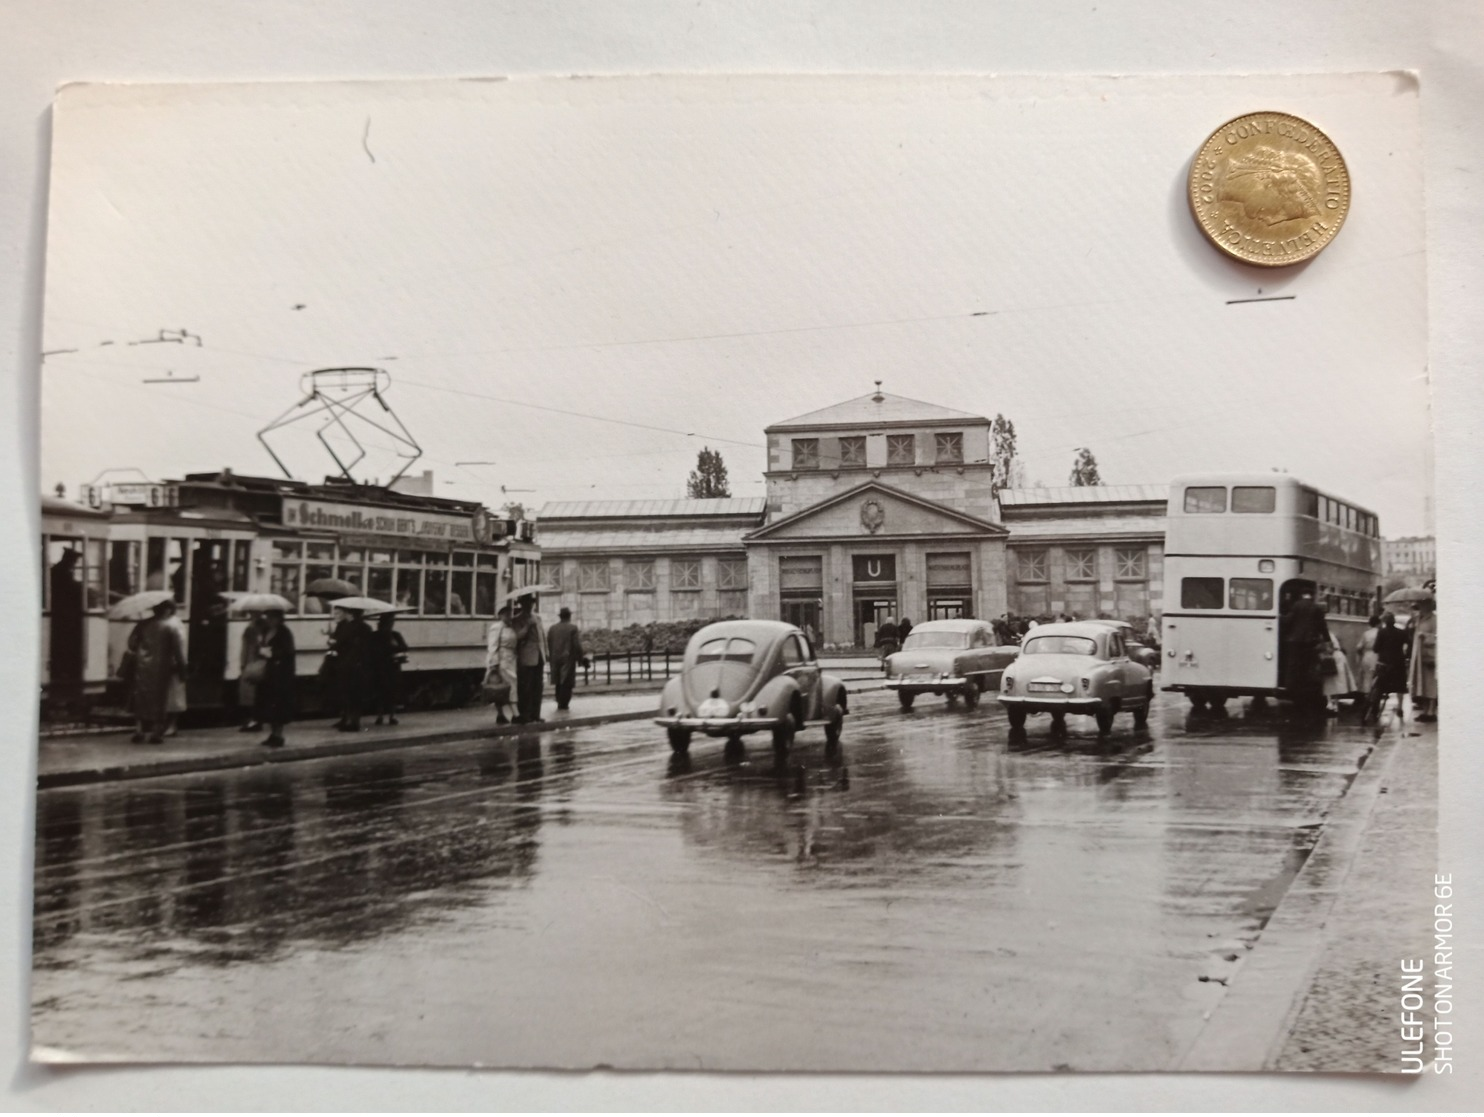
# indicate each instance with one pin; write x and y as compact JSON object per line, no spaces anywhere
{"x":446,"y":564}
{"x":1240,"y":549}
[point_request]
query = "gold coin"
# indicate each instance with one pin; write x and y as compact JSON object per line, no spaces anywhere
{"x":1269,"y":188}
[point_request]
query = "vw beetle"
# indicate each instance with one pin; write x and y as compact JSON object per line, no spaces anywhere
{"x":958,"y":658}
{"x":1080,"y":668}
{"x":747,"y":676}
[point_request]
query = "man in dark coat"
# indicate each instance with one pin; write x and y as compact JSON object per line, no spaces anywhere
{"x":274,"y":700}
{"x":564,"y":645}
{"x":352,"y":646}
{"x":65,"y":668}
{"x":530,"y":658}
{"x":388,"y":653}
{"x":1391,"y":664}
{"x":1303,"y":629}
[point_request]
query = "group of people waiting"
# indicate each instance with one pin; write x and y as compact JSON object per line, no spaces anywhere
{"x":519,"y":649}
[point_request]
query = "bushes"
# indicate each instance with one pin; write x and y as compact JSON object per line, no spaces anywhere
{"x":657,"y":636}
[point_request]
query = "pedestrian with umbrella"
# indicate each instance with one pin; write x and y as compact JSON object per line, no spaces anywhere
{"x":388,"y":653}
{"x":500,"y":664}
{"x":350,"y":654}
{"x":531,"y":655}
{"x":1391,"y":667}
{"x":156,"y":659}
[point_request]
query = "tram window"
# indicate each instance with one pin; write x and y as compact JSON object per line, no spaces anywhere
{"x":435,"y":593}
{"x":1309,"y":503}
{"x":154,"y":567}
{"x":355,"y":575}
{"x":409,"y":588}
{"x":463,"y":558}
{"x":462,"y":592}
{"x":1254,"y":498}
{"x":176,"y":571}
{"x":1205,"y":498}
{"x":1251,"y":593}
{"x":484,"y":593}
{"x":409,"y":558}
{"x":123,"y":569}
{"x":379,"y":583}
{"x":1201,"y":593}
{"x":287,"y":549}
{"x":321,"y":552}
{"x":241,"y":564}
{"x":285,"y":582}
{"x":94,"y":574}
{"x":312,"y":574}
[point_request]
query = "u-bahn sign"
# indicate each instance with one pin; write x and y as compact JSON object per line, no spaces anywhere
{"x":355,"y":519}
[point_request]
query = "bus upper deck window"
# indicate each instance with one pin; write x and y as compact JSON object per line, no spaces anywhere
{"x":1254,"y":498}
{"x":1201,"y":593}
{"x":1205,"y":498}
{"x":1309,"y":503}
{"x":1252,"y":593}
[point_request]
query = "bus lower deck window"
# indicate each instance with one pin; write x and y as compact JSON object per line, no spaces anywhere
{"x":1252,"y":593}
{"x":1201,"y":593}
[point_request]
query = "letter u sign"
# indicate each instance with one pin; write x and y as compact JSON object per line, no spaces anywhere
{"x":873,"y":568}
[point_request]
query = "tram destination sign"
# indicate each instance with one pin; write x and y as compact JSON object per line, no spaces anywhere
{"x":398,"y":523}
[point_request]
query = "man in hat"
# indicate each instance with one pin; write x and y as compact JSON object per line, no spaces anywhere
{"x":564,"y":644}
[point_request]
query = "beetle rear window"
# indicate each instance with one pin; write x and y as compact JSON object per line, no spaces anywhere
{"x":936,"y":640}
{"x":734,"y":649}
{"x":1060,"y":645}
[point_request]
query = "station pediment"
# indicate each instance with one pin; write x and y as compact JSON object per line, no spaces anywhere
{"x":870,"y":510}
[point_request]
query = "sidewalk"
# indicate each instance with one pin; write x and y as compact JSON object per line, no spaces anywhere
{"x":67,"y":760}
{"x":1320,"y":990}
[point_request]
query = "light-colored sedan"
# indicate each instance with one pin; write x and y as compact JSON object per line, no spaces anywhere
{"x":1080,"y":668}
{"x":957,"y":658}
{"x":743,"y":677}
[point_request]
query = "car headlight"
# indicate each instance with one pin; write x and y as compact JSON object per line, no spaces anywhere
{"x":1067,"y":688}
{"x":713,"y":708}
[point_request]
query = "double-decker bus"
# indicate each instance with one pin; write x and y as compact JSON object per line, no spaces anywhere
{"x":445,"y":563}
{"x":1240,"y":549}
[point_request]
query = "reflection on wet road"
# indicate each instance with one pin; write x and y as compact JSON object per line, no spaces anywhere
{"x":936,"y":897}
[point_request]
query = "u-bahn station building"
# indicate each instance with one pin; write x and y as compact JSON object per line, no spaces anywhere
{"x":876,"y":507}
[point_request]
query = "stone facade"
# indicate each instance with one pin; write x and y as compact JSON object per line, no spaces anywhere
{"x":877,"y":507}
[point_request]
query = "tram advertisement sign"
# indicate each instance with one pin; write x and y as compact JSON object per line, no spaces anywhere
{"x":399,"y":522}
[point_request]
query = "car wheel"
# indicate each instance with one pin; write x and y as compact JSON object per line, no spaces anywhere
{"x":679,"y":738}
{"x":783,"y":734}
{"x":1197,"y":700}
{"x":971,"y":695}
{"x":1141,"y":714}
{"x":906,"y":698}
{"x":1017,"y":718}
{"x":1104,"y":719}
{"x":833,"y":727}
{"x":1058,"y":722}
{"x":1217,"y":702}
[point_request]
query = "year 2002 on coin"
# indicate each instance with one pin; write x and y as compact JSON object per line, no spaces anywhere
{"x":1269,"y":188}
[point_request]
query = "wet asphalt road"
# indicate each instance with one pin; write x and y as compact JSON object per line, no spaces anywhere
{"x":936,"y":897}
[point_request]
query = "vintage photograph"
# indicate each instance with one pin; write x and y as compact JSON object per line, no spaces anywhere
{"x":753,"y":573}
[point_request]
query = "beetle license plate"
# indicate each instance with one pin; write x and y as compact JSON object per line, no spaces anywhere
{"x":1044,"y":687}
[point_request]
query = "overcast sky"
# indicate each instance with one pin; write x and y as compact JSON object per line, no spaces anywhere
{"x":585,"y":281}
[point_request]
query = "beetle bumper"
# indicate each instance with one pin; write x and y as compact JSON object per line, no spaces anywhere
{"x":1049,"y":704}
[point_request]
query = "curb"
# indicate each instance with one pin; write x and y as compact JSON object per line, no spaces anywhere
{"x":352,"y":747}
{"x":1248,"y":1027}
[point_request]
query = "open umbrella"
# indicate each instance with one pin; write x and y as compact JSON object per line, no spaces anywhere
{"x":526,"y":591}
{"x":330,"y":588}
{"x":137,"y":606}
{"x":1408,"y":595}
{"x":364,"y":604}
{"x":258,"y":603}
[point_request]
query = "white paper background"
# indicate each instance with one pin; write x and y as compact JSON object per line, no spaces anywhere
{"x":178,"y":41}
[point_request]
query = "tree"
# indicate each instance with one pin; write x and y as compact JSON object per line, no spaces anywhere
{"x":1085,"y":468}
{"x":1002,"y":453}
{"x":709,"y":478}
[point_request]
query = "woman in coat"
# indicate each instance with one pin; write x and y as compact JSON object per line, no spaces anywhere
{"x":158,"y":661}
{"x":351,"y":644}
{"x":275,"y":689}
{"x":1365,"y":656}
{"x":1422,"y":676}
{"x":388,"y":653}
{"x":1391,"y":666}
{"x":249,"y":673}
{"x":499,"y":662}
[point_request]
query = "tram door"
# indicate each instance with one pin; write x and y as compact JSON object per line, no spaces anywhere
{"x":206,"y":650}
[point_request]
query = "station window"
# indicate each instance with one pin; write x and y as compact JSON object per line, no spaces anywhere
{"x":1251,"y":594}
{"x":1082,"y":565}
{"x":1030,"y":566}
{"x":901,"y":449}
{"x":593,"y":576}
{"x":948,"y":449}
{"x":806,"y":453}
{"x":638,"y":575}
{"x":1254,"y":498}
{"x":853,"y":450}
{"x":1201,"y":593}
{"x":731,"y":574}
{"x":1131,"y":564}
{"x":685,"y":574}
{"x":1205,"y":498}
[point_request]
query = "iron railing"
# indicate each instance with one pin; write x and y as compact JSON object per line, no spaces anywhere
{"x":629,"y":667}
